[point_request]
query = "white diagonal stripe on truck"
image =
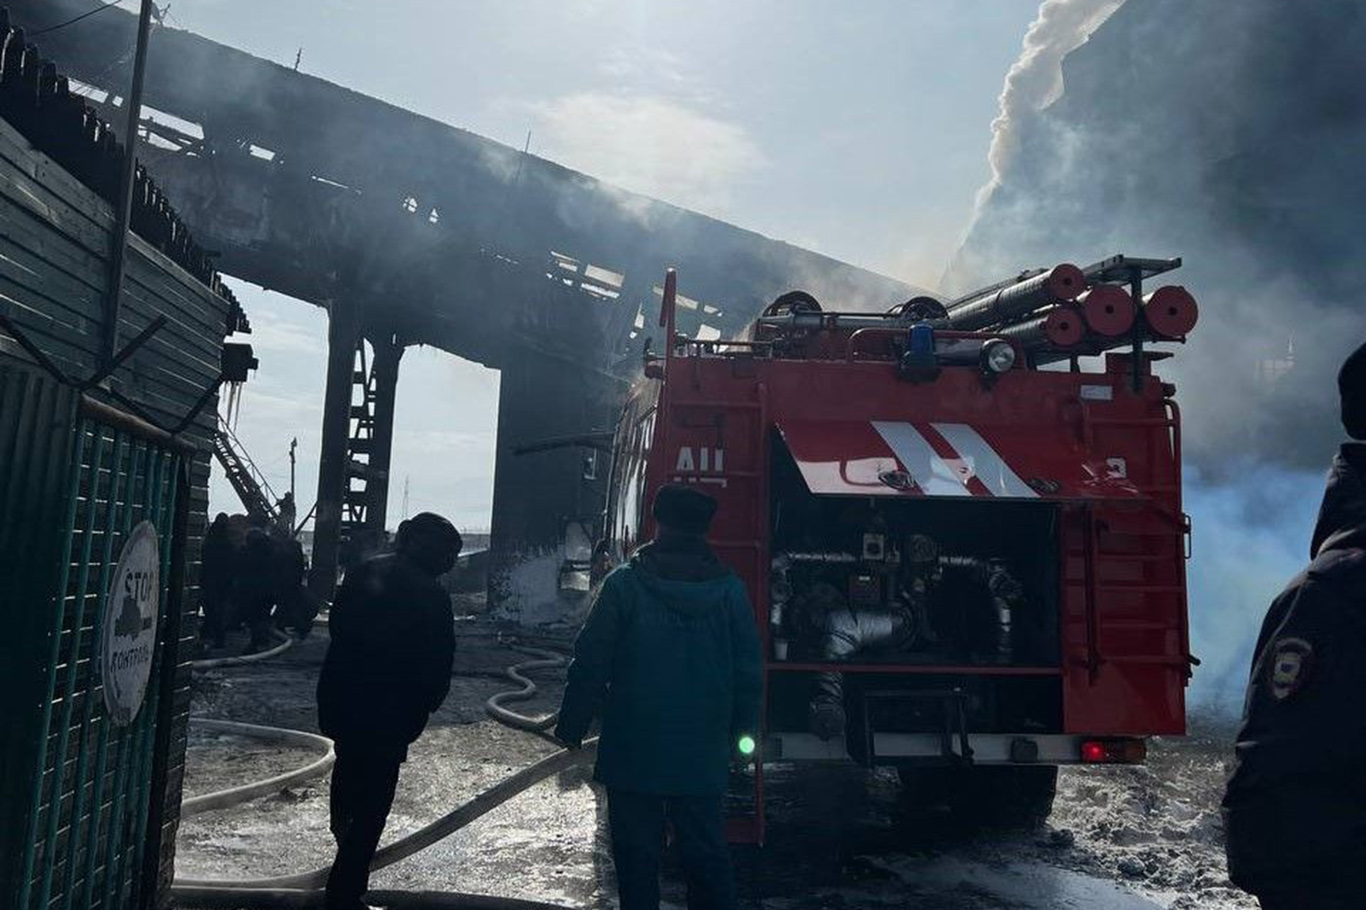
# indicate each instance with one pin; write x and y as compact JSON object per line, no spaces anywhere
{"x":931,"y":473}
{"x":987,"y":464}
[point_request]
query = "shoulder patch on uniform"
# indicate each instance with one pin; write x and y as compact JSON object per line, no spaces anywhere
{"x":1289,"y":667}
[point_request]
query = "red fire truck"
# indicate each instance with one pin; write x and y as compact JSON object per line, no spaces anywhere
{"x":962,"y":564}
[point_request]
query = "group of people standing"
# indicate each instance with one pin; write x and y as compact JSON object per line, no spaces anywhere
{"x":668,"y":659}
{"x":252,"y":574}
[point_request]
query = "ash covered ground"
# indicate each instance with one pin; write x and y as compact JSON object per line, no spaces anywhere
{"x":838,"y":837}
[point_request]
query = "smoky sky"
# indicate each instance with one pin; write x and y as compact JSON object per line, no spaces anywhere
{"x":1233,"y":135}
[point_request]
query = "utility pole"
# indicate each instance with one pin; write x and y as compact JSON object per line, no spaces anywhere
{"x":124,"y":209}
{"x":293,"y":444}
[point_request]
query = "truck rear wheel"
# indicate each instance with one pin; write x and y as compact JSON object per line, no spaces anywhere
{"x":988,"y":796}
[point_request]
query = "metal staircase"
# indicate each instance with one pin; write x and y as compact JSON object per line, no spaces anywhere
{"x":246,"y":479}
{"x":356,"y":498}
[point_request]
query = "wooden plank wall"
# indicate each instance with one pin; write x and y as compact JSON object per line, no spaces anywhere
{"x":54,"y":247}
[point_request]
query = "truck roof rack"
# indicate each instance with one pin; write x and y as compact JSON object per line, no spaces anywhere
{"x":1127,"y":268}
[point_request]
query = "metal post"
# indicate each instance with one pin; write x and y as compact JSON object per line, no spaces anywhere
{"x":177,"y":504}
{"x":343,"y":330}
{"x":1137,"y":367}
{"x":384,"y":371}
{"x":124,"y":210}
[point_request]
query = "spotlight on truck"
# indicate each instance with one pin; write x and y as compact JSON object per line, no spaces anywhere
{"x":998,"y":356}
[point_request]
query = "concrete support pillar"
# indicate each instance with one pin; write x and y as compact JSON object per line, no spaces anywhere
{"x":343,"y":332}
{"x":536,"y":495}
{"x":384,"y":373}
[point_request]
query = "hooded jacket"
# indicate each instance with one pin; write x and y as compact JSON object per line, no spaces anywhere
{"x":1295,"y":805}
{"x":669,"y":658}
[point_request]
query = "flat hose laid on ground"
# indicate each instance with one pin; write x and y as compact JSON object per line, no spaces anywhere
{"x":297,"y":899}
{"x":424,"y":837}
{"x":303,"y":890}
{"x":286,"y":642}
{"x":222,"y":799}
{"x":544,"y":660}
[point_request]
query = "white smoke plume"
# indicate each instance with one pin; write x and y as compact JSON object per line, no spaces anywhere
{"x":1231,"y":140}
{"x":1035,"y":79}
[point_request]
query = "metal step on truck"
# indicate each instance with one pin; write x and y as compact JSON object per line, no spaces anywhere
{"x":963,"y":537}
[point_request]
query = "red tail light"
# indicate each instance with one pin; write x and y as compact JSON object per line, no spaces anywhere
{"x":1113,"y":751}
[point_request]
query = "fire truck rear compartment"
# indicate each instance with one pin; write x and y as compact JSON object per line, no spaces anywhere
{"x":956,"y":597}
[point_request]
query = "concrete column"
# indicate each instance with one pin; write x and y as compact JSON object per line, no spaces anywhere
{"x":384,"y":372}
{"x":535,"y":495}
{"x":343,"y":332}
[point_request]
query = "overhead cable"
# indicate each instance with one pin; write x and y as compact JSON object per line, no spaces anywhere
{"x":73,"y":21}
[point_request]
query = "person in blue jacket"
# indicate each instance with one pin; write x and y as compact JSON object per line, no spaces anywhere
{"x":669,"y":659}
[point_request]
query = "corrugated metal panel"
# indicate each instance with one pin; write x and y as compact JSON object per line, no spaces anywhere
{"x":54,"y":240}
{"x":36,"y":498}
{"x":54,"y":243}
{"x":91,"y":780}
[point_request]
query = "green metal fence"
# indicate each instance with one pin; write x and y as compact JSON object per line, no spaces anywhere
{"x":90,"y":789}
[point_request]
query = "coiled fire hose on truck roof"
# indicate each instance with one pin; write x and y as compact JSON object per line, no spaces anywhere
{"x":304,"y":889}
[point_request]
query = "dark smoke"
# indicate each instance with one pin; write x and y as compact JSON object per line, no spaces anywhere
{"x":1233,"y":135}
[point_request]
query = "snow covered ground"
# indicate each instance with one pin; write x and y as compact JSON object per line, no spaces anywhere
{"x":1138,"y":838}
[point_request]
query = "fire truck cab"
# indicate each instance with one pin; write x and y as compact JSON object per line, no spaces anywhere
{"x":961,"y":565}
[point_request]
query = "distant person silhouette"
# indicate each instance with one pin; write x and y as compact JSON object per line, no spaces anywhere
{"x":255,"y":587}
{"x":1295,"y":805}
{"x":669,"y":658}
{"x":286,"y":515}
{"x":388,"y":668}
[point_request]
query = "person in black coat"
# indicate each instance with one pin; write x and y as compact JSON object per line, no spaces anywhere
{"x":388,"y":668}
{"x":1295,"y":804}
{"x":255,"y":587}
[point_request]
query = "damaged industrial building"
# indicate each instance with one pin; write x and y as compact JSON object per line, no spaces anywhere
{"x":966,"y":528}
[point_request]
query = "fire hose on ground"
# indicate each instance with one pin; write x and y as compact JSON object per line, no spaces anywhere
{"x":304,"y":889}
{"x":222,"y":799}
{"x":285,"y":643}
{"x":543,"y":660}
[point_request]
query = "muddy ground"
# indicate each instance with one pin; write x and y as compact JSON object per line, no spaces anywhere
{"x":1128,"y":839}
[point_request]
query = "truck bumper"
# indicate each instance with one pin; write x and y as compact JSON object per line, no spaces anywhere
{"x":984,"y":748}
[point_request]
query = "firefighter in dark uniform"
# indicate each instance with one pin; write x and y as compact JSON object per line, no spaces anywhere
{"x":1295,"y":806}
{"x":388,"y":668}
{"x":669,"y":658}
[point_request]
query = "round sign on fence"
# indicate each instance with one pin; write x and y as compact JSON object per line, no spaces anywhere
{"x":130,"y":624}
